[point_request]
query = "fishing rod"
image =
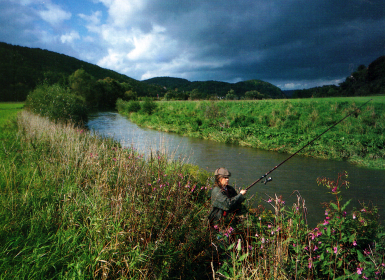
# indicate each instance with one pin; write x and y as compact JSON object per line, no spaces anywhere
{"x":310,"y":142}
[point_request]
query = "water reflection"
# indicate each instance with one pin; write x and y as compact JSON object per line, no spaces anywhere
{"x":248,"y":164}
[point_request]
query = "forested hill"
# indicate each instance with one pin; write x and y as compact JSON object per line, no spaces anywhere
{"x":362,"y":82}
{"x":252,"y":89}
{"x":22,"y":68}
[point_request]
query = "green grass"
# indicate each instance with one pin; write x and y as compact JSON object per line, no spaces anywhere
{"x":9,"y":111}
{"x":281,"y":125}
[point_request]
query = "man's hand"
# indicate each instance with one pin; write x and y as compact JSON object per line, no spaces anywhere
{"x":243,"y":192}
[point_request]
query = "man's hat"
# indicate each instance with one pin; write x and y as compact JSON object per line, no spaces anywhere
{"x":223,"y":172}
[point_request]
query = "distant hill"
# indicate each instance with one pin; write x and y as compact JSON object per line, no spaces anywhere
{"x":362,"y":82}
{"x":220,"y":89}
{"x":22,"y":68}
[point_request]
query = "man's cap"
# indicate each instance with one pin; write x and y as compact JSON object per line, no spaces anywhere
{"x":223,"y":172}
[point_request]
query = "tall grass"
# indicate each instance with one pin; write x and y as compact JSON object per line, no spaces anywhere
{"x":281,"y":125}
{"x":74,"y":206}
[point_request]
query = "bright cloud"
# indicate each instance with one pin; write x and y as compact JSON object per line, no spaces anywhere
{"x":54,"y":15}
{"x":70,"y":37}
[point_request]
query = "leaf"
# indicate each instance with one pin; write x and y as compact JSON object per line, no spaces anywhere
{"x":334,"y":206}
{"x":244,"y":256}
{"x":360,"y":256}
{"x":345,"y":205}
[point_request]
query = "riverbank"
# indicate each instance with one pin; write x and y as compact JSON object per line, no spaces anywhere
{"x":279,"y":125}
{"x":74,"y":206}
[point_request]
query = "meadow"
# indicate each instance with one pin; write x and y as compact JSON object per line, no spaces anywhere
{"x":279,"y":125}
{"x":76,"y":206}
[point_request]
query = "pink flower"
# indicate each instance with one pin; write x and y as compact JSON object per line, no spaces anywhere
{"x":310,"y":263}
{"x":326,"y":222}
{"x":335,"y":250}
{"x":359,"y":270}
{"x":216,"y":226}
{"x":334,"y":189}
{"x":315,"y":248}
{"x":354,"y":216}
{"x":354,"y":243}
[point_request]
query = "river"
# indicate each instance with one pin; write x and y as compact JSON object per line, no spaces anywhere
{"x":248,"y":164}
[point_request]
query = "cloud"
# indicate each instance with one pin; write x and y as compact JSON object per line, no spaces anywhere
{"x":70,"y":37}
{"x":54,"y":14}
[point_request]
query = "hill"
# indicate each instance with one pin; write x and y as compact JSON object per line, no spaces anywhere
{"x":205,"y":89}
{"x":362,"y":82}
{"x":22,"y":68}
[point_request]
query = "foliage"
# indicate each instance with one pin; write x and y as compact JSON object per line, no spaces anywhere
{"x":148,"y":106}
{"x":281,"y":125}
{"x":74,"y":206}
{"x":278,"y":244}
{"x":57,"y":104}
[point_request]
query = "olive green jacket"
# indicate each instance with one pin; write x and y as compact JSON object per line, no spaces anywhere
{"x":222,"y":201}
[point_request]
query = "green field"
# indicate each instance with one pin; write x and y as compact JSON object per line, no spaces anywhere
{"x":8,"y":111}
{"x":280,"y":125}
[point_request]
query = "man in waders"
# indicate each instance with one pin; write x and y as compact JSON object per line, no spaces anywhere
{"x":225,"y":201}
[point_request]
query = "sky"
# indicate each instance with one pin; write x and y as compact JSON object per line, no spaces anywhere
{"x":293,"y":44}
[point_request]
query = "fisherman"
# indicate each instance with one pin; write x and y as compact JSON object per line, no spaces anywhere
{"x":224,"y":198}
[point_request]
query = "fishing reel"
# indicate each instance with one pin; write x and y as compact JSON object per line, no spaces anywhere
{"x":267,"y":180}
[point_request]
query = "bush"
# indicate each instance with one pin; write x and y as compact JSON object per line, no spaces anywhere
{"x":58,"y":104}
{"x":149,"y":106}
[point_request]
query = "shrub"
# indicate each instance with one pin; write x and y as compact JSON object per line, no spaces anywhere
{"x":149,"y":106}
{"x":58,"y":104}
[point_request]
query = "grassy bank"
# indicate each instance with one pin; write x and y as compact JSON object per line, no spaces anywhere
{"x":279,"y":125}
{"x":74,"y":206}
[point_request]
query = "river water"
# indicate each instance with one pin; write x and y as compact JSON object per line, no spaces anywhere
{"x":248,"y":164}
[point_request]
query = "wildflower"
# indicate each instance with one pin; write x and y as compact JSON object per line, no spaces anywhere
{"x":272,"y":232}
{"x":250,"y":247}
{"x":326,"y":222}
{"x":327,"y":218}
{"x":268,"y":226}
{"x":354,"y":216}
{"x":359,"y":270}
{"x":278,"y":229}
{"x":363,"y":210}
{"x":326,"y":213}
{"x":269,"y":200}
{"x":383,"y":264}
{"x":310,"y":263}
{"x":335,"y":250}
{"x":256,"y":235}
{"x":367,"y":252}
{"x":344,"y":214}
{"x":354,"y":243}
{"x":364,"y":277}
{"x":334,"y":189}
{"x":216,"y":226}
{"x":315,"y":248}
{"x":294,"y":245}
{"x":306,"y":248}
{"x":263,"y":240}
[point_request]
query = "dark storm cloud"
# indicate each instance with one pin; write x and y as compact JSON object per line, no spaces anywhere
{"x":278,"y":40}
